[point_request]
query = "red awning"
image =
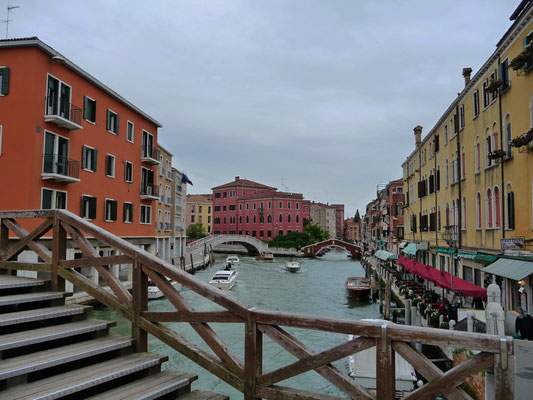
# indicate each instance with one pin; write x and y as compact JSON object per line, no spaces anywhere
{"x":442,"y":278}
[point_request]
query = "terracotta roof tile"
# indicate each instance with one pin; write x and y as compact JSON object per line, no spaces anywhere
{"x":244,"y":183}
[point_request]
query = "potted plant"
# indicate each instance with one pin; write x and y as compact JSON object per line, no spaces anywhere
{"x":444,"y":325}
{"x":496,"y":154}
{"x":520,"y":60}
{"x":435,"y":318}
{"x":493,"y":85}
{"x":416,"y":300}
{"x":422,"y":307}
{"x":402,"y":289}
{"x":523,"y":139}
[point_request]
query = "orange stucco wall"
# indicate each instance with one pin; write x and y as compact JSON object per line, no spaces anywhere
{"x":23,"y":126}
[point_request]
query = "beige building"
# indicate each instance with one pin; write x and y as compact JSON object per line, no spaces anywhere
{"x":200,"y":210}
{"x":324,"y":215}
{"x":164,"y":181}
{"x":179,"y":194}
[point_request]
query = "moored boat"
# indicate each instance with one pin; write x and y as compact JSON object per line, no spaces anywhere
{"x":154,"y":292}
{"x":357,"y":287}
{"x":232,"y":260}
{"x":265,"y":256}
{"x":224,"y":279}
{"x":292,"y":266}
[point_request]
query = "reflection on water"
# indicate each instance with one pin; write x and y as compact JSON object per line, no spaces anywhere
{"x":318,"y":289}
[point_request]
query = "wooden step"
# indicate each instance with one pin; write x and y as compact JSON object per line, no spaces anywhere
{"x":202,"y":395}
{"x":39,"y":314}
{"x":49,"y":333}
{"x":48,"y":358}
{"x":30,"y":297}
{"x":11,"y":282}
{"x":151,"y":387}
{"x":84,"y":378}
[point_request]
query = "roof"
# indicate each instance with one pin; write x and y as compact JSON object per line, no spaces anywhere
{"x":386,"y":255}
{"x":510,"y":268}
{"x":245,"y":183}
{"x":199,"y":198}
{"x":35,"y":42}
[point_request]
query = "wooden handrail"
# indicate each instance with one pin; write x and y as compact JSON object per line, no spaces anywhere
{"x":248,"y":377}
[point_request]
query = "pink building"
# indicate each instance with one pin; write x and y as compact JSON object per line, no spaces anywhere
{"x":246,"y":207}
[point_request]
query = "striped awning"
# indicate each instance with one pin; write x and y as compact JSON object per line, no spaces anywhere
{"x":510,"y":268}
{"x":386,"y":255}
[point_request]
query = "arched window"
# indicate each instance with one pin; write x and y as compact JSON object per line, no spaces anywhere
{"x":289,"y":218}
{"x":269,"y":218}
{"x":488,"y":148}
{"x":478,"y":211}
{"x":463,"y":216}
{"x":297,"y":217}
{"x":508,"y":136}
{"x":463,"y":163}
{"x":255,"y":220}
{"x":495,"y":137}
{"x":240,"y":219}
{"x":496,"y":199}
{"x":281,"y":218}
{"x":454,"y":222}
{"x":509,"y":207}
{"x":247,"y":219}
{"x":261,"y":219}
{"x":447,"y":215}
{"x":447,"y":174}
{"x":477,"y":155}
{"x":488,"y":208}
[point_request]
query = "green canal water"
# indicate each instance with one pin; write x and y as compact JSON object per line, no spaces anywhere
{"x":318,"y":289}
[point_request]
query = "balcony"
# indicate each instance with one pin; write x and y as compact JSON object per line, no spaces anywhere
{"x":60,"y":169}
{"x":62,"y":113}
{"x":150,"y":155}
{"x":451,"y":235}
{"x":149,"y":192}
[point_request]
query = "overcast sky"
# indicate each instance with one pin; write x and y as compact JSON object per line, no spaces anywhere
{"x":321,"y":96}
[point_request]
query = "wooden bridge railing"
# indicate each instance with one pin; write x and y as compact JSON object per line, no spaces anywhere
{"x":247,"y":376}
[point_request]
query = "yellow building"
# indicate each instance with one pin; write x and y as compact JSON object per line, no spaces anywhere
{"x":164,"y":181}
{"x":469,"y":192}
{"x":199,"y":210}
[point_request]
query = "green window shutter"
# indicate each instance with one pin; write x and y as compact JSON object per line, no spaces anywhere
{"x":117,"y":124}
{"x":84,"y":157}
{"x":113,"y":210}
{"x":85,"y":107}
{"x":5,"y":80}
{"x":47,"y":199}
{"x":82,"y":205}
{"x":525,"y":41}
{"x":124,"y":211}
{"x":510,"y":199}
{"x":95,"y":158}
{"x":108,"y":119}
{"x":92,"y":207}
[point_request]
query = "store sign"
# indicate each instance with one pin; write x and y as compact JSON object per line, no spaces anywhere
{"x":513,"y":244}
{"x":422,"y":246}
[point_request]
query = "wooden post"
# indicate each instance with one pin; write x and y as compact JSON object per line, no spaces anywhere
{"x":4,"y":243}
{"x":385,"y":368}
{"x":59,"y":252}
{"x":380,"y":294}
{"x":140,"y":304}
{"x":504,"y":372}
{"x":192,"y":263}
{"x":387,"y":297}
{"x":253,"y":358}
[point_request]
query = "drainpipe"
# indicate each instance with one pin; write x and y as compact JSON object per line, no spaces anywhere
{"x":502,"y":190}
{"x":436,"y":203}
{"x":459,"y":159}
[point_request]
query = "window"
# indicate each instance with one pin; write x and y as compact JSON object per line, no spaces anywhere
{"x":88,"y":207}
{"x":297,"y":217}
{"x":280,"y":204}
{"x":270,"y":203}
{"x":463,"y":163}
{"x":254,"y":206}
{"x":461,"y":116}
{"x":281,"y":218}
{"x":146,"y":214}
{"x":53,"y":199}
{"x":56,"y":152}
{"x":447,"y":174}
{"x":162,"y":194}
{"x":289,"y":205}
{"x":4,"y":81}
{"x":477,"y":155}
{"x":224,"y":194}
{"x":147,"y":145}
{"x":496,"y":199}
{"x":463,"y":215}
{"x":488,"y":148}
{"x":445,"y":134}
{"x":488,"y":208}
{"x":240,"y":206}
{"x":110,"y":165}
{"x":247,"y":206}
{"x":475,"y":100}
{"x":509,"y":208}
{"x":247,"y":219}
{"x":110,"y":210}
{"x":478,"y":211}
{"x":503,"y":72}
{"x":129,"y":132}
{"x":297,"y":206}
{"x":128,"y":172}
{"x":486,"y":94}
{"x":58,"y":98}
{"x":508,"y":136}
{"x":128,"y":212}
{"x":217,"y":195}
{"x":112,"y":122}
{"x":88,"y":158}
{"x":147,"y":182}
{"x":269,"y":219}
{"x":289,"y":218}
{"x":89,"y":109}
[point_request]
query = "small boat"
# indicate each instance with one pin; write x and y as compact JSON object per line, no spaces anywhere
{"x":362,"y":367}
{"x":224,"y":279}
{"x":292,"y":266}
{"x":232,"y":260}
{"x":265,"y":256}
{"x":154,"y":292}
{"x":357,"y":287}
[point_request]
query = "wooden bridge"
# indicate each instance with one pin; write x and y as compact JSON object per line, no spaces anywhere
{"x":246,"y":375}
{"x":353,"y":249}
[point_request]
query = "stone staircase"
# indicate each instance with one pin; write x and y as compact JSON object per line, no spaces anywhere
{"x":49,"y":350}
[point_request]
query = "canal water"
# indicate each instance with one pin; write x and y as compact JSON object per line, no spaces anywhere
{"x":318,"y":289}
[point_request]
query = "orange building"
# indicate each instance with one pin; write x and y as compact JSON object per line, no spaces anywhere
{"x":69,"y":141}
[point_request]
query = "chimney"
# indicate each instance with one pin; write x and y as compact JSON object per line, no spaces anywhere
{"x":418,"y":135}
{"x":237,"y":178}
{"x":466,"y":74}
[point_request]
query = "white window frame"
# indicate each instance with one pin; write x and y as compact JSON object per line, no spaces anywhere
{"x":83,"y":214}
{"x":105,"y":210}
{"x":114,"y":165}
{"x":61,"y":83}
{"x":130,"y":220}
{"x":56,"y":145}
{"x":116,"y":115}
{"x":126,"y":171}
{"x":128,"y":124}
{"x":85,"y":119}
{"x":53,"y":206}
{"x":475,"y":104}
{"x":148,"y":213}
{"x":94,"y":155}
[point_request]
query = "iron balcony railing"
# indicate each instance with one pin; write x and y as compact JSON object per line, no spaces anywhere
{"x":451,"y":234}
{"x":150,"y":152}
{"x":147,"y":190}
{"x":60,"y":165}
{"x":62,"y":108}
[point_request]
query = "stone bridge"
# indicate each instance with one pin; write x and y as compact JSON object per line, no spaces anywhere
{"x":253,"y":245}
{"x":351,"y":248}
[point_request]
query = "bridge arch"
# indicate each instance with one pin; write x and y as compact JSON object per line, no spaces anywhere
{"x":252,"y":245}
{"x":311,"y":250}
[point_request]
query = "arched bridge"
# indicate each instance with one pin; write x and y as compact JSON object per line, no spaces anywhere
{"x":253,"y":245}
{"x":351,"y":248}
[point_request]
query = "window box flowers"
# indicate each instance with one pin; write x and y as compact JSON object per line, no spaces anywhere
{"x":493,"y":85}
{"x":496,"y":154}
{"x":523,"y":139}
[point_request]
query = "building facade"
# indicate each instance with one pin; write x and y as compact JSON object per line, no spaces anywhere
{"x":164,"y":181}
{"x":339,"y":220}
{"x":68,"y":141}
{"x":469,"y":182}
{"x":352,"y":230}
{"x":200,"y":211}
{"x":246,"y":207}
{"x":178,"y":215}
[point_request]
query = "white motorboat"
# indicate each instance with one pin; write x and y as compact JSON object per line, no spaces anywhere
{"x":232,"y":260}
{"x":292,"y":266}
{"x":363,"y":368}
{"x":155,"y":293}
{"x":224,"y":279}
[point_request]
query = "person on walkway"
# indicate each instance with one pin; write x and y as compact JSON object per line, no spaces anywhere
{"x":524,"y":325}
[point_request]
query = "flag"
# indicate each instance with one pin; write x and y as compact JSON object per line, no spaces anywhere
{"x":185,"y":179}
